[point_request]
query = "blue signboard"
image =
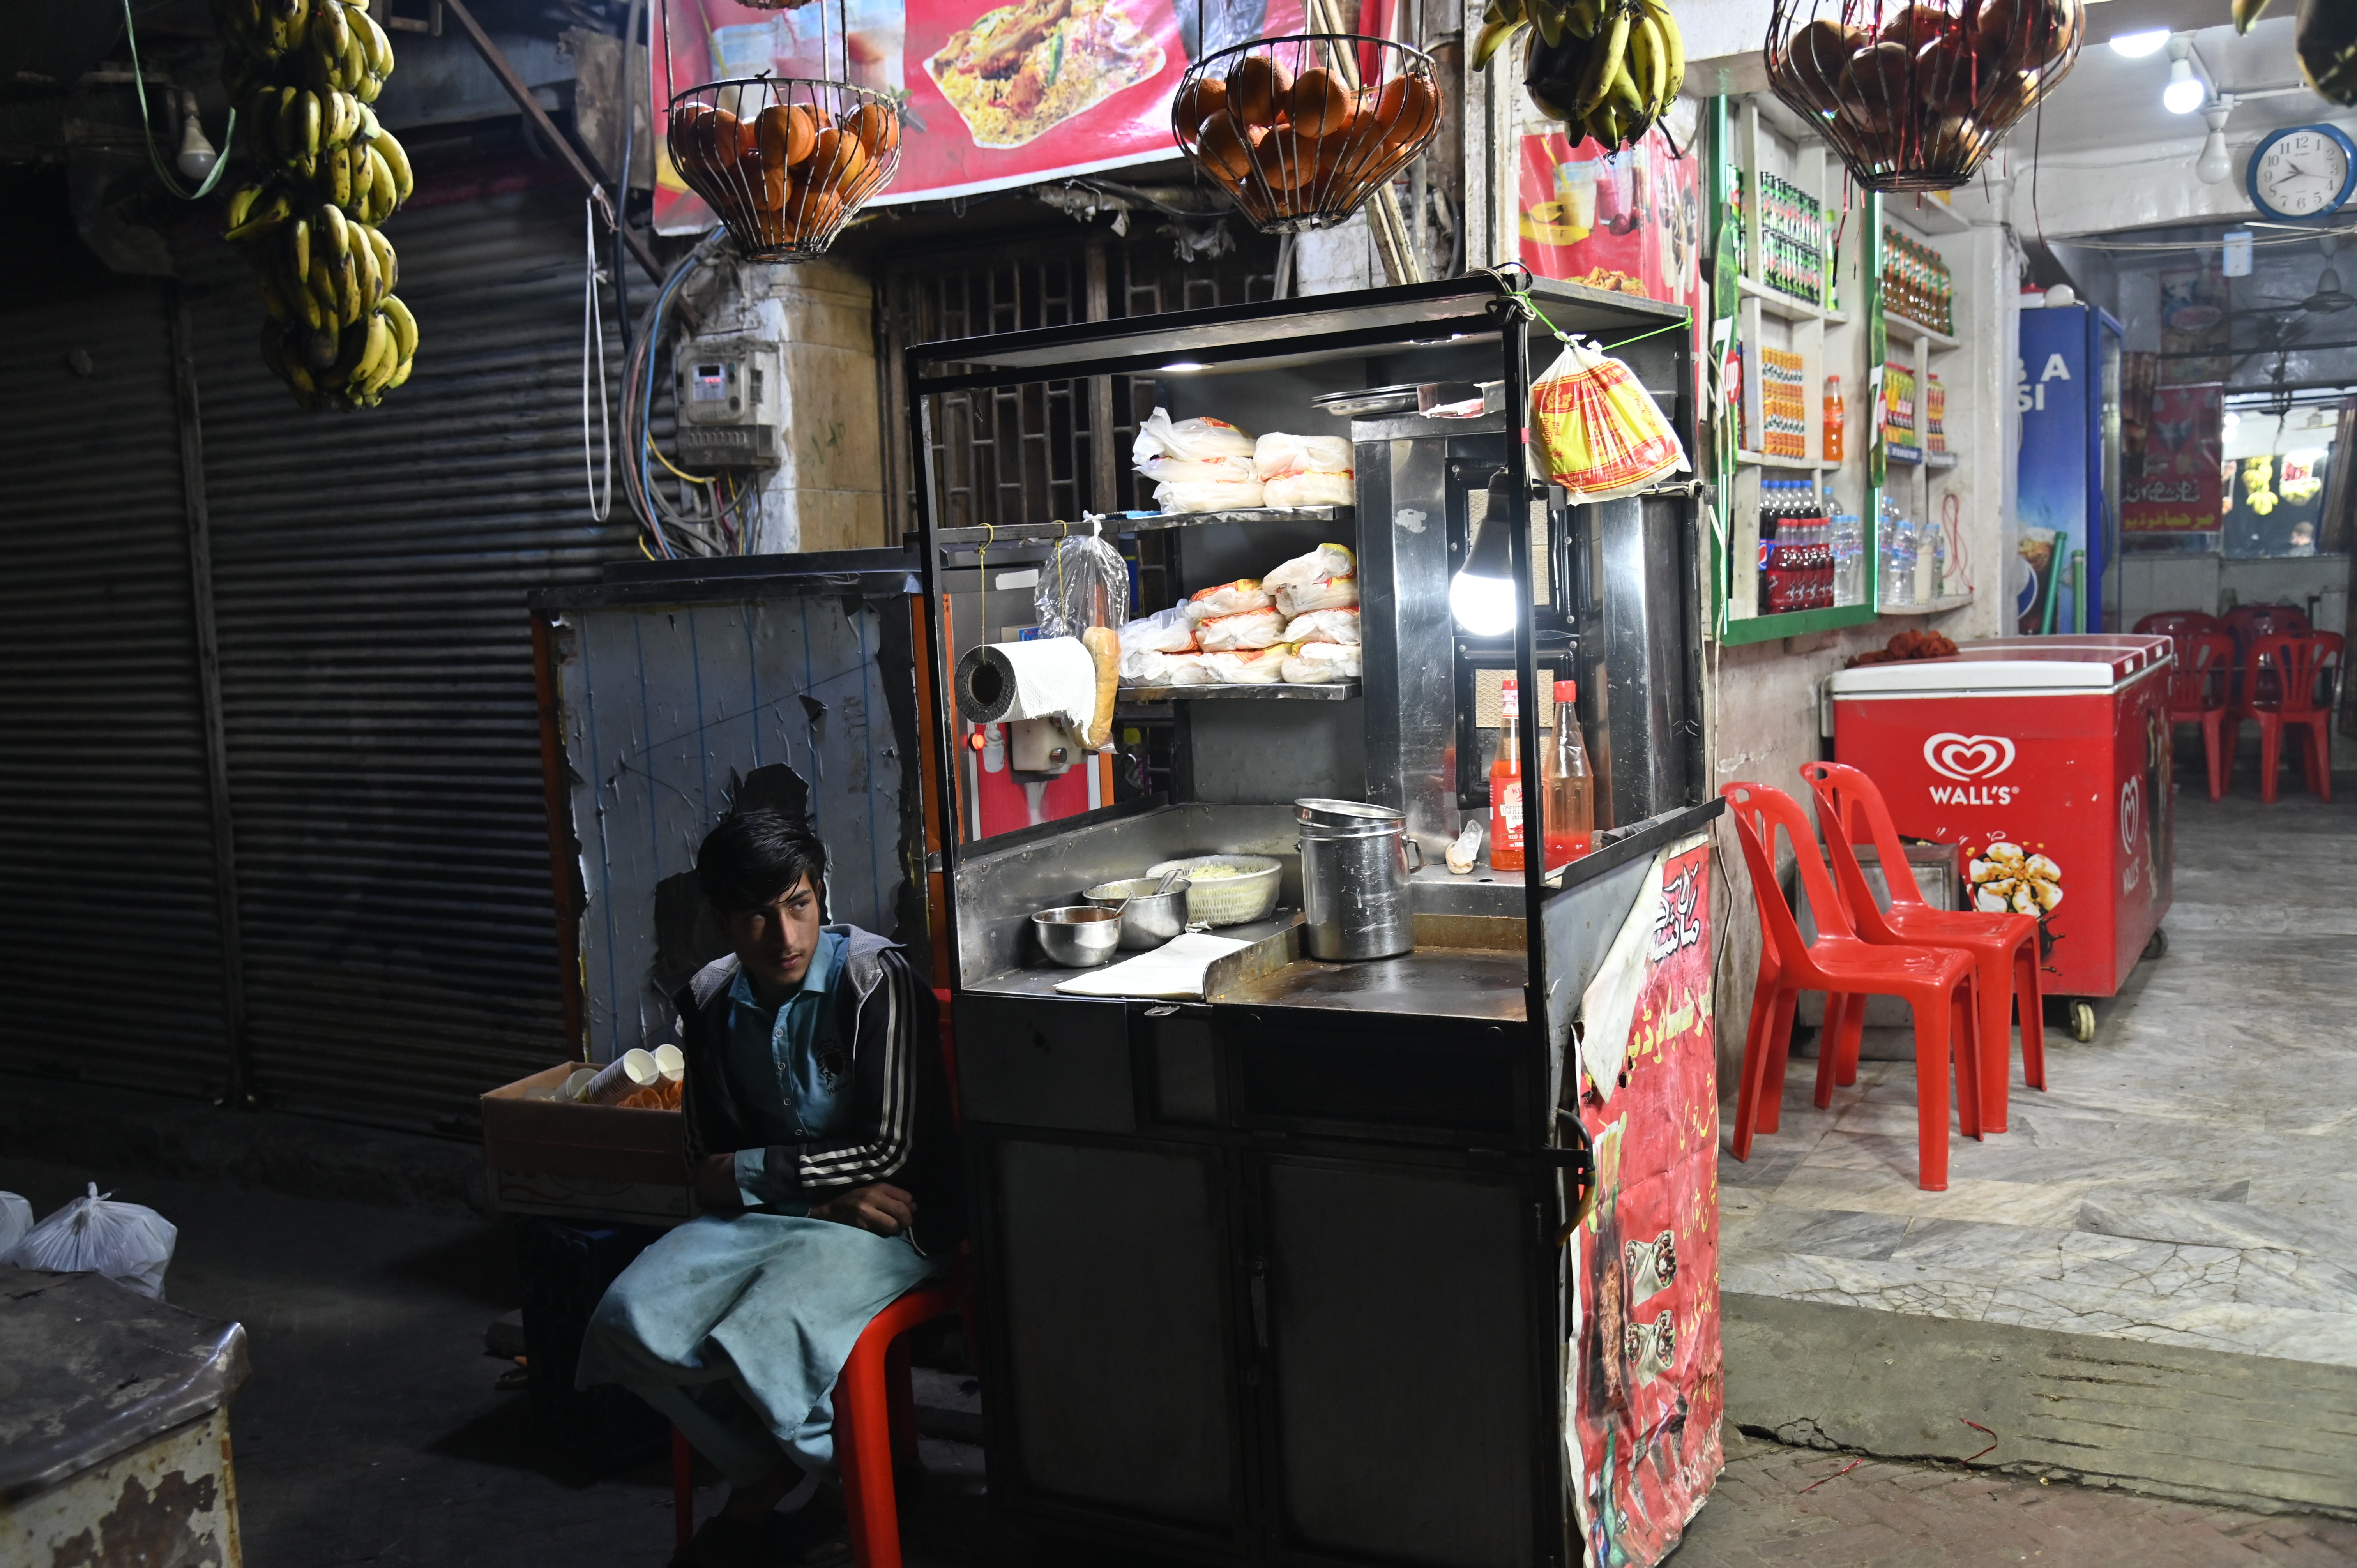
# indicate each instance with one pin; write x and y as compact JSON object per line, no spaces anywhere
{"x":2054,"y":393}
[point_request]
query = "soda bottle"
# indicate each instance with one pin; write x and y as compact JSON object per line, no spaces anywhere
{"x":1834,"y":416}
{"x":1506,"y":785}
{"x":1570,"y":788}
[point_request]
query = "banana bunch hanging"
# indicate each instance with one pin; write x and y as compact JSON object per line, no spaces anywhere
{"x":1607,"y":68}
{"x":302,"y":74}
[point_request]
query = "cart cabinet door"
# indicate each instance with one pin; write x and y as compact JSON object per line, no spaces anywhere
{"x":1110,"y":1277}
{"x":1391,"y":1307}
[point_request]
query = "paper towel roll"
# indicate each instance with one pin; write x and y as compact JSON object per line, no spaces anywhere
{"x":1053,"y":678}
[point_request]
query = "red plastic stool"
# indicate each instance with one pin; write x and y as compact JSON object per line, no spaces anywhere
{"x":875,"y":1411}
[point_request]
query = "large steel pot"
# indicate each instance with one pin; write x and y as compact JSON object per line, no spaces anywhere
{"x":1355,"y":861}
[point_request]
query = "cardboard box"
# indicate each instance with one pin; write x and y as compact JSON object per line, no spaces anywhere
{"x":548,"y":1155}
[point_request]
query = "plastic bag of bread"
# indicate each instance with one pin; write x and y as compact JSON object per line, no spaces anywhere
{"x":1146,"y":667}
{"x":1164,"y":631}
{"x":1247,"y":628}
{"x":1248,"y":666}
{"x":1310,"y":489}
{"x":1196,"y":440}
{"x":1229,"y":598}
{"x":1186,"y":669}
{"x":1320,"y":664}
{"x":1279,"y":455}
{"x":1176,"y":496}
{"x":1325,"y":561}
{"x":1325,"y":594}
{"x":1325,"y":626}
{"x":1601,"y":433}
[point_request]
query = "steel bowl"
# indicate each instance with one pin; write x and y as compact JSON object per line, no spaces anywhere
{"x":1078,"y":936}
{"x":1147,"y":918}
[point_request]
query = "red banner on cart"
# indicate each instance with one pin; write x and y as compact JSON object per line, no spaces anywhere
{"x":1646,"y":1390}
{"x":2178,"y":488}
{"x":991,"y":97}
{"x":1630,"y":222}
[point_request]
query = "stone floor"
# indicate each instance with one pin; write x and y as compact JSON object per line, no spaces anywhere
{"x":2186,"y":1180}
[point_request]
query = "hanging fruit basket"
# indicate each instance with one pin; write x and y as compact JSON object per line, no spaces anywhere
{"x":784,"y":161}
{"x":1913,"y":96}
{"x":1302,"y":130}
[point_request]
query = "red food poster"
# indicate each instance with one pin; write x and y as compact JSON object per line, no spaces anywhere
{"x":1630,"y":222}
{"x":990,"y":97}
{"x":2178,"y":489}
{"x":1646,"y":1385}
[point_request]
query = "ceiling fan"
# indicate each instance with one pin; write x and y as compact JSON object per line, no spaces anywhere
{"x":2328,"y":298}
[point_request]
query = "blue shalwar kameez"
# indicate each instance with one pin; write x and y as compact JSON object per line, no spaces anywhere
{"x":736,"y":1326}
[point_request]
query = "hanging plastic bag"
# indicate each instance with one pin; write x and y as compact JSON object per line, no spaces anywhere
{"x":1085,"y":593}
{"x":16,"y":1219}
{"x":1195,"y":440}
{"x":1600,"y":432}
{"x":129,"y":1244}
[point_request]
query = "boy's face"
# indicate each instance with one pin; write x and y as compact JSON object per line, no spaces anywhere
{"x":775,"y":943}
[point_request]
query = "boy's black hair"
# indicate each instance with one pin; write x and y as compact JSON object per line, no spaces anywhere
{"x":754,"y":858}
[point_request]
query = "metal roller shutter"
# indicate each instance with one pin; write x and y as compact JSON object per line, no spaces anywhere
{"x":370,"y":575}
{"x":109,"y":942}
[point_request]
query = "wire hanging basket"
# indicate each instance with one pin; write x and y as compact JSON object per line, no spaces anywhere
{"x":1913,"y":96}
{"x":1301,"y":130}
{"x":785,"y":162}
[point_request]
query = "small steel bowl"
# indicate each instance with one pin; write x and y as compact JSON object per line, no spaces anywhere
{"x":1078,"y":936}
{"x":1147,"y":918}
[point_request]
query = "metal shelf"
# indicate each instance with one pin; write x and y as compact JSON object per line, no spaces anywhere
{"x":1939,"y":606}
{"x":1774,"y":302}
{"x":1762,"y":461}
{"x":1122,"y":522}
{"x":1329,"y":691}
{"x":1899,"y":327}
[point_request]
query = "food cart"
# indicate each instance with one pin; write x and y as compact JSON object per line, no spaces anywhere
{"x":1406,"y":1259}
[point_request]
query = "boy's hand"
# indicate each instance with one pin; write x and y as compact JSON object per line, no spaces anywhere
{"x":881,"y":1208}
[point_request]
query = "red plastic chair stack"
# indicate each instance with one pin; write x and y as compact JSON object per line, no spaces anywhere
{"x":1936,"y":984}
{"x":2176,"y":625}
{"x":2200,"y":693}
{"x":2292,"y":667}
{"x":2003,"y":948}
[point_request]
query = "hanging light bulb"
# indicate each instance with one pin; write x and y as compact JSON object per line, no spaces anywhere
{"x":2184,"y":92}
{"x":2212,"y":168}
{"x":1481,"y":596}
{"x":196,"y":156}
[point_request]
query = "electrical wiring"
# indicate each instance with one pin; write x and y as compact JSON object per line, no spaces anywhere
{"x":656,"y":515}
{"x":139,"y":90}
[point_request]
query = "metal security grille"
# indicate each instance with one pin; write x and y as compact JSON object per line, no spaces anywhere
{"x":383,"y":745}
{"x":1046,"y":449}
{"x":110,"y":935}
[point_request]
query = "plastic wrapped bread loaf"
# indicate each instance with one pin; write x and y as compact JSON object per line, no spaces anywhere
{"x":1249,"y":628}
{"x":1229,"y":598}
{"x":1248,"y":667}
{"x":1325,"y":626}
{"x":1318,"y":663}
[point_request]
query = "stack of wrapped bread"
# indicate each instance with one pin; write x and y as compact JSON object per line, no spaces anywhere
{"x":1209,"y":464}
{"x":1298,"y":625}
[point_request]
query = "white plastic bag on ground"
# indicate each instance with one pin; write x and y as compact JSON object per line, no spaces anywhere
{"x":1279,"y":455}
{"x":16,"y":1219}
{"x":1196,"y":440}
{"x":129,"y":1244}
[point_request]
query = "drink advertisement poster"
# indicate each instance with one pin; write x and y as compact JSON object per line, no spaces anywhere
{"x":2180,"y":489}
{"x":1630,"y":222}
{"x":990,"y":97}
{"x":1645,"y":1387}
{"x":2057,"y":468}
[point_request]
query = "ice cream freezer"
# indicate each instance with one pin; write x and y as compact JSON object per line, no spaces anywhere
{"x":2047,"y":761}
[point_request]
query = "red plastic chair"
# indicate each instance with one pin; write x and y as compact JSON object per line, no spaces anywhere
{"x":2175,"y":623}
{"x":1936,"y":984}
{"x":2293,"y":666}
{"x":2249,"y":625}
{"x":2200,"y":693}
{"x":2003,"y":948}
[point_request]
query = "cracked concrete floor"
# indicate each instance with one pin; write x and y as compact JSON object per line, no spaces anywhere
{"x":2185,"y":1179}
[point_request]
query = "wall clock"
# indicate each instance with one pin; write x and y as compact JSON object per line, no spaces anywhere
{"x":2305,"y":171}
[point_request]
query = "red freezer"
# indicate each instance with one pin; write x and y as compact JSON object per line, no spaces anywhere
{"x":2048,"y":759}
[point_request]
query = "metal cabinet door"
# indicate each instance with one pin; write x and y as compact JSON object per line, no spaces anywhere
{"x":1391,"y":1311}
{"x":1112,"y":1338}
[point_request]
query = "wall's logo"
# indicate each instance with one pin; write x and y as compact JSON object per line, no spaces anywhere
{"x":1964,"y":757}
{"x":2131,"y":813}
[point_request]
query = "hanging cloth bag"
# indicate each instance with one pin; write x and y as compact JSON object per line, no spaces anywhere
{"x":1600,"y":434}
